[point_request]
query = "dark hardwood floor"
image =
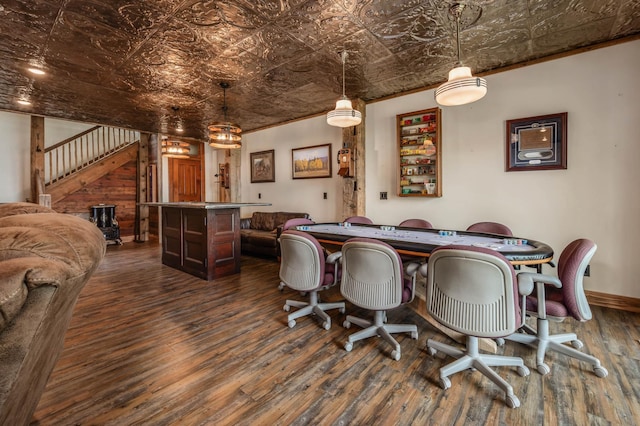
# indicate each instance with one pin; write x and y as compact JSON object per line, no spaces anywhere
{"x":149,"y":345}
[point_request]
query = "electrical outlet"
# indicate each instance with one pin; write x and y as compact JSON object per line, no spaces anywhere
{"x":587,"y":271}
{"x":324,"y":195}
{"x":259,"y":195}
{"x":383,"y":195}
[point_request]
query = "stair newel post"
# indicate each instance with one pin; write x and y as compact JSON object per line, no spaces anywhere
{"x":37,"y":158}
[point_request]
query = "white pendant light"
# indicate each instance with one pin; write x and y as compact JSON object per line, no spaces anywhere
{"x":225,"y":135}
{"x":461,"y":88}
{"x":344,"y":115}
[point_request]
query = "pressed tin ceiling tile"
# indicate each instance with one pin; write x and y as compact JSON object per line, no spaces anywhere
{"x":131,"y":63}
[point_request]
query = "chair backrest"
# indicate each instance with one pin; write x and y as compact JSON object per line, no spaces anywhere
{"x":302,"y":266}
{"x":491,"y":228}
{"x":359,"y":219}
{"x":573,"y":261}
{"x":473,"y":290}
{"x":292,"y":223}
{"x":372,"y":274}
{"x":416,"y":223}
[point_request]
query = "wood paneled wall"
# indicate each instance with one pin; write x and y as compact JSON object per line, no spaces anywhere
{"x":117,"y":187}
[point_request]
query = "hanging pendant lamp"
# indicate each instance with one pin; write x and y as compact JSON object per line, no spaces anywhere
{"x":225,"y":135}
{"x":175,"y":149}
{"x":461,"y":88}
{"x":344,"y":115}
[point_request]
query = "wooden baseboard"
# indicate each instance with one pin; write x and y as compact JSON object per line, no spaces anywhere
{"x":613,"y":301}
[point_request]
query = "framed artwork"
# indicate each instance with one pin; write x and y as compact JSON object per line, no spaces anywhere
{"x":311,"y":162}
{"x":262,"y":166}
{"x":537,"y":143}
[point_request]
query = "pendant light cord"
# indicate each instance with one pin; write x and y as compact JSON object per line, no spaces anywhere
{"x":458,"y":36}
{"x":224,"y":86}
{"x":344,"y":60}
{"x":456,"y":10}
{"x":224,"y":99}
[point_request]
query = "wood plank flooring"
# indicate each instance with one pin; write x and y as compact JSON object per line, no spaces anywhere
{"x":150,"y":345}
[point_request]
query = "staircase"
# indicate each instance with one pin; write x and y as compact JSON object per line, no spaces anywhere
{"x":81,"y":159}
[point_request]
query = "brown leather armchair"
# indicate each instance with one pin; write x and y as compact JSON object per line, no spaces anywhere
{"x":45,"y":260}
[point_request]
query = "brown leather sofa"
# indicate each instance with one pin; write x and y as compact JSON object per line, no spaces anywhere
{"x":259,"y":233}
{"x":45,"y":260}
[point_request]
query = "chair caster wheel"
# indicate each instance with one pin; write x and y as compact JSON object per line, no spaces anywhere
{"x":292,"y":323}
{"x":601,"y":372}
{"x":414,"y":335}
{"x":346,"y":324}
{"x":395,"y":354}
{"x":543,"y":369}
{"x":445,"y":383}
{"x":326,"y":325}
{"x":500,"y":341}
{"x":512,"y":401}
{"x":286,"y":308}
{"x":523,"y":371}
{"x":577,"y":344}
{"x":348,"y":346}
{"x":432,"y":351}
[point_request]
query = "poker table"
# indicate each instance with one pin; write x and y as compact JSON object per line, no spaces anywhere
{"x":420,"y":242}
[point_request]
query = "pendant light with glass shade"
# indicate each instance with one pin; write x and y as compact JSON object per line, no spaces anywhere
{"x":175,"y":149}
{"x":461,"y":88}
{"x":344,"y":115}
{"x":225,"y":135}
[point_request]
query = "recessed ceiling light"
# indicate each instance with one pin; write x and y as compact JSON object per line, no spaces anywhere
{"x":37,"y":71}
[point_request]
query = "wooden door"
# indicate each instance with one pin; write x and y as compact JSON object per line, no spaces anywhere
{"x":225,"y":182}
{"x":185,"y":179}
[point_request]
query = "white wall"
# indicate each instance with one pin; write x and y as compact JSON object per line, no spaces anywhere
{"x":15,"y":161}
{"x":286,"y":193}
{"x":596,"y":197}
{"x":56,"y":130}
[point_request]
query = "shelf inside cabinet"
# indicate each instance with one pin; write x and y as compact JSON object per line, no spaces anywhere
{"x":419,"y":146}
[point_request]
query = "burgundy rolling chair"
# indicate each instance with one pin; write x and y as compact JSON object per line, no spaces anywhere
{"x":474,"y":291}
{"x":416,"y":223}
{"x":491,"y":228}
{"x":555,"y":299}
{"x":291,"y":224}
{"x":304,"y":268}
{"x":373,"y":278}
{"x":296,"y":221}
{"x":359,"y":219}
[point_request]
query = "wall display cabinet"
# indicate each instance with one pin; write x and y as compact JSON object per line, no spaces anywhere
{"x":419,"y":154}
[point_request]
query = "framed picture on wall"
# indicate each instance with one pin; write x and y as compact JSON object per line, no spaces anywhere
{"x":311,"y":162}
{"x":262,"y":166}
{"x":537,"y":143}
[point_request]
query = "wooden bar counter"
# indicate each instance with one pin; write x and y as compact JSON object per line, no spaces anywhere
{"x":202,"y":238}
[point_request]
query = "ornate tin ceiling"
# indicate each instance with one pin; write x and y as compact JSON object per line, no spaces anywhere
{"x":147,"y":64}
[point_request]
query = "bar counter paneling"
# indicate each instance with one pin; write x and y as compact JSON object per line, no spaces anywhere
{"x":202,"y":239}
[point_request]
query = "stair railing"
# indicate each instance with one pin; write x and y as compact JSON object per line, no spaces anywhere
{"x":77,"y":152}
